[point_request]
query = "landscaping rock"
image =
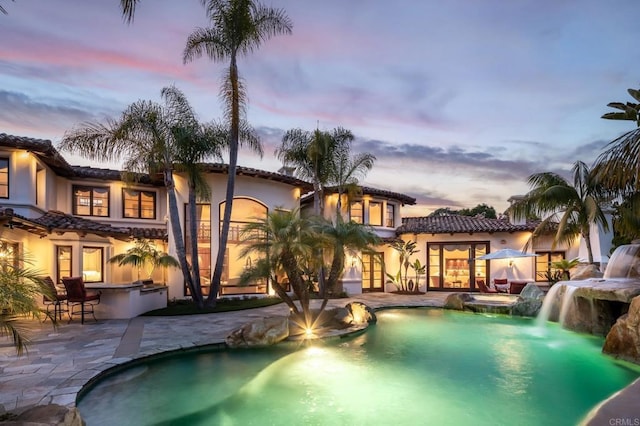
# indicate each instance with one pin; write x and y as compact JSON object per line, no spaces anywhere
{"x":457,"y":301}
{"x":359,"y":314}
{"x":529,"y":301}
{"x":623,"y":340}
{"x":261,"y":332}
{"x":586,"y":270}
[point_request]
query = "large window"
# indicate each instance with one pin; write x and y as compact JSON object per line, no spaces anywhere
{"x":90,"y":201}
{"x":63,"y":263}
{"x":453,"y":266}
{"x":138,"y":204}
{"x":4,"y":178}
{"x":244,"y":211}
{"x":375,"y":213}
{"x":356,"y":211}
{"x":544,"y":271}
{"x":390,"y":220}
{"x":203,"y":229}
{"x":92,"y":261}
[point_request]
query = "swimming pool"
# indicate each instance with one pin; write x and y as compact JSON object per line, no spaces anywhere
{"x":415,"y":366}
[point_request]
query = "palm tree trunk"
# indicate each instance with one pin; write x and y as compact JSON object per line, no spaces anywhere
{"x":586,"y":235}
{"x":193,"y":230}
{"x":231,"y":182}
{"x":178,"y":238}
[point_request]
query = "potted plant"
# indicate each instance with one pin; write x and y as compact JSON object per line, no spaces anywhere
{"x":145,"y":255}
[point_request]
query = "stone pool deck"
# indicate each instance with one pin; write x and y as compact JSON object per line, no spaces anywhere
{"x":61,"y":361}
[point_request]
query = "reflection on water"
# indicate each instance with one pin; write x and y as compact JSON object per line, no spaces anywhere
{"x":418,"y":366}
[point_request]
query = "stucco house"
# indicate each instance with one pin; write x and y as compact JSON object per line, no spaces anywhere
{"x":72,"y":219}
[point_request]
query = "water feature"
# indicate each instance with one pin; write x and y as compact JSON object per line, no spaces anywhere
{"x":415,"y":366}
{"x":593,"y":305}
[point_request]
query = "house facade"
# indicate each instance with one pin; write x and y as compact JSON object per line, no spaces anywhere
{"x":71,"y":220}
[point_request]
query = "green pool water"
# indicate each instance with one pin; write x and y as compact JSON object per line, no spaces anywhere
{"x":414,"y":367}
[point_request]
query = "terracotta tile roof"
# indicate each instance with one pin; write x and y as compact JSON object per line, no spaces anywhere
{"x":248,"y":171}
{"x":58,"y":222}
{"x":43,"y":148}
{"x":108,"y":174}
{"x":366,"y":190}
{"x":456,"y":224}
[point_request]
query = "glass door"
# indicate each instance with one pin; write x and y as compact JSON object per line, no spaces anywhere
{"x":372,"y":271}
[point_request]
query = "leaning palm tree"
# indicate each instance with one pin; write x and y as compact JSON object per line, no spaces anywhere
{"x":147,"y":137}
{"x":239,"y":27}
{"x":4,"y":11}
{"x":574,"y":207}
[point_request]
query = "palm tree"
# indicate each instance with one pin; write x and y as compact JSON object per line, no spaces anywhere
{"x":405,"y":250}
{"x":128,"y":9}
{"x":144,"y":254}
{"x":574,"y":207}
{"x":314,"y":154}
{"x":20,"y":288}
{"x":287,"y":243}
{"x":147,"y":137}
{"x":339,"y":237}
{"x":346,"y":172}
{"x":239,"y":27}
{"x":4,"y":11}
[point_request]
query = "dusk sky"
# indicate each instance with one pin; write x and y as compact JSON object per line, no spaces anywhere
{"x":459,"y":100}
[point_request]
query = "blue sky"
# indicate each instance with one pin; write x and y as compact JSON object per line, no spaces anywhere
{"x":460,"y":101}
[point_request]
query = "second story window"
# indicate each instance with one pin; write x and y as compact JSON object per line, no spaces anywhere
{"x":90,"y":201}
{"x":390,"y":221}
{"x":356,"y":212}
{"x":138,"y":204}
{"x":375,"y":213}
{"x":4,"y":178}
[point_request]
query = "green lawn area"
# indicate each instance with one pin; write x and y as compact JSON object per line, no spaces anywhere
{"x":186,"y":307}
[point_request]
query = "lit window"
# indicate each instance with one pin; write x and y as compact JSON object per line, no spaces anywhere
{"x":63,"y":262}
{"x":375,"y":213}
{"x":4,"y":178}
{"x":355,"y":211}
{"x":391,"y":214}
{"x":90,"y":201}
{"x":92,"y":260}
{"x":139,"y":204}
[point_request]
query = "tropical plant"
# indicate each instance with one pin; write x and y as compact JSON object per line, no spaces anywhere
{"x":20,"y":288}
{"x":573,"y":207}
{"x":564,"y":266}
{"x":405,"y":251}
{"x":420,"y":270}
{"x":145,"y":255}
{"x":148,"y":138}
{"x":617,"y":169}
{"x":285,"y":243}
{"x":239,"y":27}
{"x":347,"y":170}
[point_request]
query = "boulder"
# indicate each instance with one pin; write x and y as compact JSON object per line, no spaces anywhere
{"x":529,"y":301}
{"x":359,"y":314}
{"x":261,"y":332}
{"x":457,"y":301}
{"x":623,"y":340}
{"x":586,"y":270}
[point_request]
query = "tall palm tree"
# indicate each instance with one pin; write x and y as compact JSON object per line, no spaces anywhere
{"x":239,"y":27}
{"x":3,"y":10}
{"x":128,"y":9}
{"x":347,"y":172}
{"x":574,"y":207}
{"x":148,"y":138}
{"x":313,"y":155}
